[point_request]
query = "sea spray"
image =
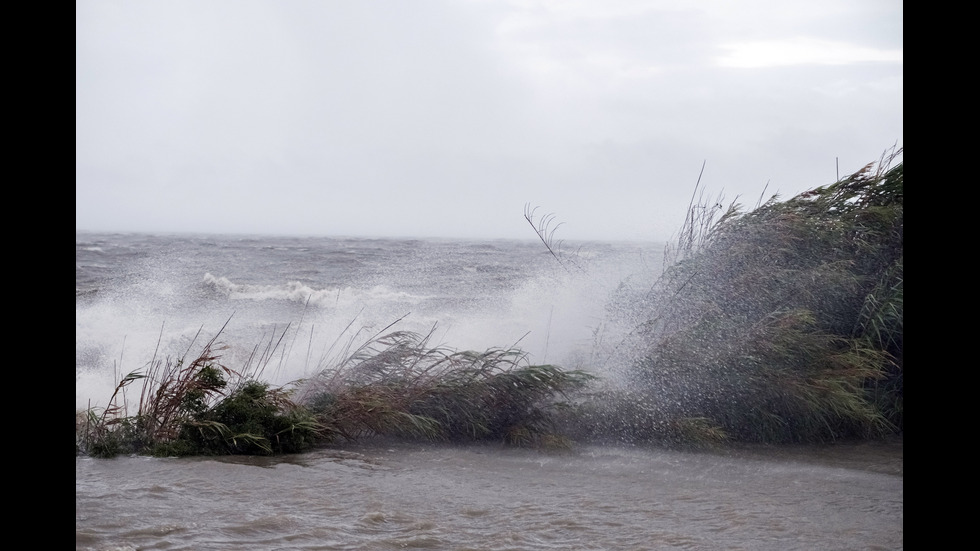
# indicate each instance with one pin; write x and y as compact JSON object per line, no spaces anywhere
{"x":295,"y":304}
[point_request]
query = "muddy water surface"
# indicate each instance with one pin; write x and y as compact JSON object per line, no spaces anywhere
{"x":398,"y":496}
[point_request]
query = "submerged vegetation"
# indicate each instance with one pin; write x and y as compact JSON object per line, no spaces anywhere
{"x":780,"y":324}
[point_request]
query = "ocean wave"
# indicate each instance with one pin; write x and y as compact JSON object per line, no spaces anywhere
{"x":296,"y":291}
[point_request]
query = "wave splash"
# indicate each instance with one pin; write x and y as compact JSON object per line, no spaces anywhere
{"x":310,"y":299}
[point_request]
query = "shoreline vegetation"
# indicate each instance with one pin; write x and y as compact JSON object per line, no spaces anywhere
{"x":783,"y":324}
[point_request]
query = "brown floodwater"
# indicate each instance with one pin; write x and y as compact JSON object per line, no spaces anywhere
{"x":413,"y":496}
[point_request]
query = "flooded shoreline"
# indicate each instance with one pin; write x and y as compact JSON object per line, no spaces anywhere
{"x":885,"y":456}
{"x":386,"y":495}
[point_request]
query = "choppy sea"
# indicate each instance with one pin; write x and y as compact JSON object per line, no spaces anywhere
{"x":297,"y":301}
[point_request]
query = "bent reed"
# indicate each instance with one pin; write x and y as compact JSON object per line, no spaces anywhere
{"x":783,"y":324}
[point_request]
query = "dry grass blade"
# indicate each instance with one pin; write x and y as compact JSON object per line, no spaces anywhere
{"x":545,"y":228}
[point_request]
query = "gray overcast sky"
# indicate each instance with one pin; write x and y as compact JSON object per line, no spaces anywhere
{"x":443,"y":118}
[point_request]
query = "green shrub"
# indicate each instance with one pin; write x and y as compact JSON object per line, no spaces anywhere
{"x":183,"y":410}
{"x":253,"y":419}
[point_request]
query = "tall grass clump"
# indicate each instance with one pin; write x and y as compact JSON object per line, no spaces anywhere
{"x":196,"y":407}
{"x":399,"y":385}
{"x":780,"y":324}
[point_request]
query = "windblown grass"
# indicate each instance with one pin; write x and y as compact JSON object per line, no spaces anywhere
{"x":783,"y":323}
{"x":399,"y":385}
{"x":394,"y":384}
{"x":198,"y":407}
